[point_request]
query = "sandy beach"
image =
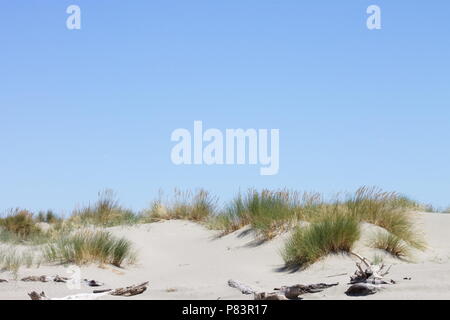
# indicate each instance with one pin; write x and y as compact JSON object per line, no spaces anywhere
{"x":185,"y":260}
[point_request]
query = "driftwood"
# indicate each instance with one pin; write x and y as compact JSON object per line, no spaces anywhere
{"x":82,"y":296}
{"x":45,"y":279}
{"x":36,"y":279}
{"x":368,"y":278}
{"x":57,"y":278}
{"x":293,"y":292}
{"x":263,"y":296}
{"x":362,"y":289}
{"x":283,"y":293}
{"x":37,"y":296}
{"x":243,"y":288}
{"x":3,"y":280}
{"x":337,"y":275}
{"x":93,"y":283}
{"x":126,"y":292}
{"x":130,"y":291}
{"x":247,"y":290}
{"x":374,"y":274}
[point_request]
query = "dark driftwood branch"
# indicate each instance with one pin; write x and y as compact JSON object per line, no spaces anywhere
{"x":45,"y":279}
{"x":362,"y":289}
{"x":293,"y":292}
{"x":263,"y":296}
{"x":57,"y":278}
{"x":125,"y":292}
{"x":283,"y":293}
{"x":130,"y":291}
{"x":38,"y":296}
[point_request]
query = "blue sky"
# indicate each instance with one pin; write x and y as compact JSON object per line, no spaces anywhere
{"x":94,"y":108}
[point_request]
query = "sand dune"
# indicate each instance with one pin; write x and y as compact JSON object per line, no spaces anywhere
{"x":184,"y":260}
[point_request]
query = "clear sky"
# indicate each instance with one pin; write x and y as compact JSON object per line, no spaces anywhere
{"x":83,"y":110}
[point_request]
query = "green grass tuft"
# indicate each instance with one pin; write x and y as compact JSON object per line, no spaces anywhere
{"x":196,"y":206}
{"x":18,"y":226}
{"x":12,"y":260}
{"x":387,"y":210}
{"x":337,"y":233}
{"x":390,"y":243}
{"x":105,"y":212}
{"x":90,"y":246}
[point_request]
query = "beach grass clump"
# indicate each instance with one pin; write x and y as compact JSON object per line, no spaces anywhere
{"x":12,"y":259}
{"x":106,"y":212}
{"x":48,"y":217}
{"x":90,"y":246}
{"x":337,"y":233}
{"x":269,"y":212}
{"x":196,"y":206}
{"x":388,"y":210}
{"x":18,"y":225}
{"x":233,"y":217}
{"x":390,"y":243}
{"x":22,"y":227}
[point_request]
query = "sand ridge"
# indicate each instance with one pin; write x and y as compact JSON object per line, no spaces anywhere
{"x":185,"y":260}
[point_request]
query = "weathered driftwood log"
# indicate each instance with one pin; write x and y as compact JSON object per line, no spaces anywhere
{"x":368,"y":278}
{"x":283,"y":293}
{"x":38,"y":296}
{"x":242,"y":287}
{"x":126,"y":292}
{"x":374,"y":274}
{"x":3,"y":280}
{"x":57,"y":278}
{"x":362,"y":289}
{"x":82,"y":296}
{"x":36,"y":279}
{"x":263,"y":296}
{"x":293,"y":292}
{"x":45,"y":279}
{"x":130,"y":291}
{"x":257,"y":295}
{"x":93,"y":283}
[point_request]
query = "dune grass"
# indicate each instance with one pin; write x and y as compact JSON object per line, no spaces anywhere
{"x":19,"y":223}
{"x":196,"y":206}
{"x":334,"y":224}
{"x":270,"y":212}
{"x":273,"y":212}
{"x":337,"y":233}
{"x":12,"y":260}
{"x":390,"y":243}
{"x":48,"y":217}
{"x":86,"y":247}
{"x":106,"y":212}
{"x":233,"y":217}
{"x":388,"y":210}
{"x":267,"y":212}
{"x":21,"y":227}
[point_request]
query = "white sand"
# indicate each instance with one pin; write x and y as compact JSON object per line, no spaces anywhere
{"x":183,"y":260}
